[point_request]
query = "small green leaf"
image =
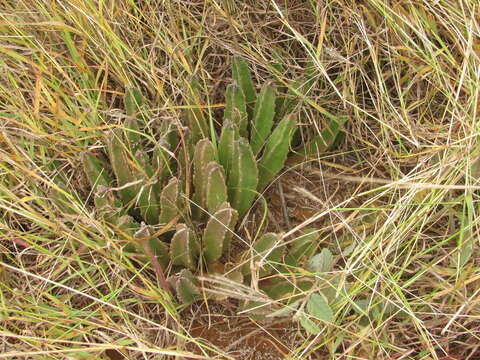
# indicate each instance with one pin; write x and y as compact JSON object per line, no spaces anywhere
{"x":186,"y":288}
{"x":231,"y":226}
{"x":108,"y":206}
{"x":326,"y":139}
{"x":317,"y":307}
{"x":297,"y":91}
{"x":334,"y":288}
{"x":133,"y":102}
{"x":185,"y":161}
{"x":361,"y":306}
{"x":322,"y":262}
{"x":225,"y":287}
{"x":263,"y":117}
{"x":161,"y":166}
{"x":465,"y":253}
{"x":303,"y":248}
{"x":127,"y":224}
{"x":148,"y":200}
{"x":236,"y":276}
{"x":95,"y":169}
{"x":281,"y":290}
{"x":308,"y":324}
{"x":62,"y":198}
{"x":267,"y":249}
{"x":466,"y":236}
{"x":160,"y":250}
{"x":288,"y":291}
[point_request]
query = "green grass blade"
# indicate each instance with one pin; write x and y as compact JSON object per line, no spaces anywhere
{"x":325,"y":140}
{"x":195,"y":116}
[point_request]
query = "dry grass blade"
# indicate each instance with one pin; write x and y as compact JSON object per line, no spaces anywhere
{"x":395,"y":200}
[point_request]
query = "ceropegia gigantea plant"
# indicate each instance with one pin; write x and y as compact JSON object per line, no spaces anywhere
{"x":143,"y":186}
{"x":255,"y":136}
{"x":138,"y":191}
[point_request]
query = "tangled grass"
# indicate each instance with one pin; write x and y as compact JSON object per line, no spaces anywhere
{"x":396,"y":202}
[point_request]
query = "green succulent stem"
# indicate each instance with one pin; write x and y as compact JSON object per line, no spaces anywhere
{"x":243,"y":177}
{"x":263,"y":117}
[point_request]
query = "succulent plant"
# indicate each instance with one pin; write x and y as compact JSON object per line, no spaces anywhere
{"x":133,"y":192}
{"x":187,"y":225}
{"x":250,"y":152}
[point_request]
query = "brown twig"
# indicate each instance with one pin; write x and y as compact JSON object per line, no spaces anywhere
{"x":156,"y":267}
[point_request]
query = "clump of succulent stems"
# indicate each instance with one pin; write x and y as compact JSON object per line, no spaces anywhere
{"x":139,"y":186}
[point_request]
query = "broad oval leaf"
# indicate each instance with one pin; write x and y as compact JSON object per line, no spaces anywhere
{"x":96,"y":172}
{"x":267,"y":248}
{"x":322,"y":262}
{"x":309,"y":325}
{"x":317,"y":307}
{"x":187,"y":290}
{"x":303,"y":247}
